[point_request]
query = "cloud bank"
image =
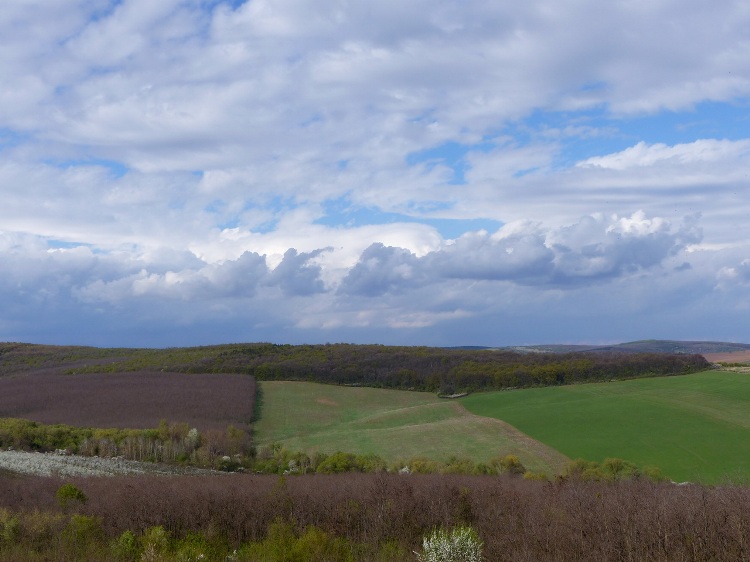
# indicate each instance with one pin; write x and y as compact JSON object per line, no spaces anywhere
{"x":441,"y":172}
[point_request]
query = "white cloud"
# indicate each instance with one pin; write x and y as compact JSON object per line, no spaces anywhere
{"x":704,"y":151}
{"x":185,"y":151}
{"x":594,"y":249}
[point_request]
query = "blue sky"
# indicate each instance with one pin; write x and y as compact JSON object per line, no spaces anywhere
{"x":187,"y":172}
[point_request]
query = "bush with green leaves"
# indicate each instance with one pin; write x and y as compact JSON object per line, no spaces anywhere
{"x":283,"y":544}
{"x":125,"y":547}
{"x":68,"y":496}
{"x":10,"y":528}
{"x":155,"y":543}
{"x":460,"y":544}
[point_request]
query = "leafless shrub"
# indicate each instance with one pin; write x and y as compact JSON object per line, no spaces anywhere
{"x":516,"y":519}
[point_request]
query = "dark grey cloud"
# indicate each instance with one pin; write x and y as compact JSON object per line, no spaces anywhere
{"x":594,"y":249}
{"x":296,"y":276}
{"x":383,"y":269}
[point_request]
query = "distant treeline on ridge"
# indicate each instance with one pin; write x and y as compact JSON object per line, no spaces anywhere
{"x":442,"y":370}
{"x":447,"y":371}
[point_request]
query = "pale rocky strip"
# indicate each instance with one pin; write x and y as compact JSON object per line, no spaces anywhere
{"x":52,"y":464}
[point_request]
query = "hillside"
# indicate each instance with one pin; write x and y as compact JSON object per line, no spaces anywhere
{"x":395,"y":425}
{"x":694,"y":427}
{"x":354,"y":412}
{"x":409,"y":368}
{"x":642,"y":346}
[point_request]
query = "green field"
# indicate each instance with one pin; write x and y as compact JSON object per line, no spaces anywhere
{"x":694,"y":427}
{"x":396,"y":425}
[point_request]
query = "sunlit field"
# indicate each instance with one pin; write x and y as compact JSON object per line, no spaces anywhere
{"x":392,"y":424}
{"x":694,"y":427}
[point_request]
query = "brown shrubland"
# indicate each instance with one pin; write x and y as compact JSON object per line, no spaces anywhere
{"x":517,"y":519}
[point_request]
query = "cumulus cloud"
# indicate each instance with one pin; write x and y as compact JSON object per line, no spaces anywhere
{"x":296,"y":275}
{"x":196,"y":152}
{"x":383,"y":269}
{"x":234,"y":278}
{"x":596,"y":248}
{"x":516,"y":252}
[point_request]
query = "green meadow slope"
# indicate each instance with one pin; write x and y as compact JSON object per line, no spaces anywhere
{"x":694,"y":427}
{"x":392,"y":424}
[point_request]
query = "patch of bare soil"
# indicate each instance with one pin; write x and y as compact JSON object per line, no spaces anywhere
{"x":732,"y":357}
{"x":136,"y":400}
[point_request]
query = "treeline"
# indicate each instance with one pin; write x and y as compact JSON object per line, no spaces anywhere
{"x":441,"y":370}
{"x":175,"y":443}
{"x":366,"y":518}
{"x":446,"y":371}
{"x":232,"y":450}
{"x":274,"y":459}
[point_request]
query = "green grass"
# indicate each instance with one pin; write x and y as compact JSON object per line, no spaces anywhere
{"x":694,"y":427}
{"x":393,"y":424}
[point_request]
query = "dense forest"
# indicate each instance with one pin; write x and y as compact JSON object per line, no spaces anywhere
{"x":442,"y":370}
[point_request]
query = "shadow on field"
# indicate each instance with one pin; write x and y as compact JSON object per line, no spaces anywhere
{"x":258,"y":404}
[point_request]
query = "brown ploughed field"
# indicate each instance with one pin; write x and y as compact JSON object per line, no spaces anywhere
{"x":137,"y":400}
{"x":732,"y":357}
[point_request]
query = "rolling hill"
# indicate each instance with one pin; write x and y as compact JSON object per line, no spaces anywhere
{"x":393,"y":424}
{"x":694,"y":427}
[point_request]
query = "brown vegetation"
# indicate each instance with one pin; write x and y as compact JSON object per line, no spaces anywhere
{"x":517,"y":519}
{"x":731,"y":357}
{"x":136,"y":400}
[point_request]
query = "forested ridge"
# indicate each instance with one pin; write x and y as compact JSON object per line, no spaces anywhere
{"x":443,"y":370}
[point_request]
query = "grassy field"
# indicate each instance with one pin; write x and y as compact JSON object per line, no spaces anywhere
{"x":390,"y":423}
{"x":694,"y":427}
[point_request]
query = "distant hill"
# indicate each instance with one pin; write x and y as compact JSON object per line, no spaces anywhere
{"x":442,"y":370}
{"x":641,"y":346}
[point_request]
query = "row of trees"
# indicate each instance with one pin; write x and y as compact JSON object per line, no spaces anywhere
{"x":442,"y":370}
{"x":273,"y":459}
{"x":233,"y":450}
{"x":169,"y":442}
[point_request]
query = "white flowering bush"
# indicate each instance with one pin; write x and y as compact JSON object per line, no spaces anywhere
{"x":461,"y":544}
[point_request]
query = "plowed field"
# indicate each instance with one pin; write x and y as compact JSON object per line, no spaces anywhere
{"x":732,"y":357}
{"x":136,"y":400}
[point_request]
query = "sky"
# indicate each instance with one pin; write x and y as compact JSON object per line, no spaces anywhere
{"x":442,"y":172}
